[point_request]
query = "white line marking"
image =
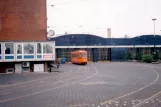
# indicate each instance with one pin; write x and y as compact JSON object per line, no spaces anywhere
{"x":146,"y":100}
{"x":136,"y":90}
{"x":25,"y":83}
{"x":50,"y":89}
{"x":52,"y":83}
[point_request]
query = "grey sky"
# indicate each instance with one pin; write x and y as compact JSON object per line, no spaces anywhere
{"x":124,"y":17}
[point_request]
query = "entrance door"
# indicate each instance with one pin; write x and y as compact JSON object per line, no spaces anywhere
{"x":18,"y":68}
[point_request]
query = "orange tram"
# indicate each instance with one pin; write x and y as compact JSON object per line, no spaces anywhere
{"x":79,"y":57}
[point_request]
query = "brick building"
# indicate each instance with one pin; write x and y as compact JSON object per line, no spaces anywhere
{"x":23,"y":20}
{"x":23,"y":36}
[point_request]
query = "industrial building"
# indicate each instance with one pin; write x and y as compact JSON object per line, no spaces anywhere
{"x":105,"y":49}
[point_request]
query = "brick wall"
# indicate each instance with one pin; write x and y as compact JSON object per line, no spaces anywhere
{"x":23,"y":20}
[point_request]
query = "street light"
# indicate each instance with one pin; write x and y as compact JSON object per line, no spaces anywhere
{"x":154,"y":35}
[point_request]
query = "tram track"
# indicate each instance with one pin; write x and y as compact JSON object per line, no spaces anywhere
{"x":71,"y":78}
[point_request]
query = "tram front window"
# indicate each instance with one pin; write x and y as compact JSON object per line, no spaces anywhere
{"x":84,"y":55}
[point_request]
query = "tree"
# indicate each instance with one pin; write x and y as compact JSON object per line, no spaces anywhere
{"x":147,"y":58}
{"x":128,"y":56}
{"x":138,"y":57}
{"x":156,"y":57}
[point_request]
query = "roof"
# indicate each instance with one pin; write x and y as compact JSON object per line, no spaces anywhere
{"x":94,"y":40}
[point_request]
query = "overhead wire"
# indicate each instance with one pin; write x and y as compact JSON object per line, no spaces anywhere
{"x":54,"y":7}
{"x":68,"y":2}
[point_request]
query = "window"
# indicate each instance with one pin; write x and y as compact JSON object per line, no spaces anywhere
{"x":80,"y":55}
{"x":28,"y":48}
{"x":19,"y":49}
{"x":47,"y":48}
{"x":9,"y":48}
{"x":84,"y":55}
{"x":39,"y":50}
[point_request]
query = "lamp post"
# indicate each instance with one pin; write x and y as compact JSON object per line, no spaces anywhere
{"x":154,"y":35}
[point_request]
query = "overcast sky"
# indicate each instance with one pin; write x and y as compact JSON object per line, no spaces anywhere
{"x":124,"y":17}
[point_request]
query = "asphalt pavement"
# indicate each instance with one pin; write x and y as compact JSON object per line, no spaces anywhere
{"x":112,"y":84}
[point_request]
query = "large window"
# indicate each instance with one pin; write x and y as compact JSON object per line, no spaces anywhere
{"x":84,"y":55}
{"x":39,"y":49}
{"x":28,"y":48}
{"x":48,"y":48}
{"x":19,"y":48}
{"x":9,"y":48}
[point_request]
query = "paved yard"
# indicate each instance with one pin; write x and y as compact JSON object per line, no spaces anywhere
{"x":94,"y":85}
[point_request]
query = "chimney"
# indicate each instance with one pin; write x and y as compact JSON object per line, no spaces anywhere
{"x":108,"y":32}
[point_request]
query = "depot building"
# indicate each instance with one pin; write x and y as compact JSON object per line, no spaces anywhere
{"x":106,"y":49}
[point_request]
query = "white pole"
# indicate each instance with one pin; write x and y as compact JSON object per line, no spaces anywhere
{"x":154,"y":35}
